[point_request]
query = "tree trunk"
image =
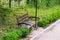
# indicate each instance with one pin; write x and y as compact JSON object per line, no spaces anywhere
{"x":27,"y":1}
{"x":18,"y":2}
{"x":10,"y":3}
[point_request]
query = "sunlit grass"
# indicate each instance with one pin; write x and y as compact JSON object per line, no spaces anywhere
{"x":47,"y":15}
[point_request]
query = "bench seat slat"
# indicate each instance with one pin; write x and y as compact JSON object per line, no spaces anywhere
{"x":30,"y":23}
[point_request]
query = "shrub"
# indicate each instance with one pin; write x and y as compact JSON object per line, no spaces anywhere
{"x":19,"y":32}
{"x":14,"y":35}
{"x":10,"y":36}
{"x":24,"y":32}
{"x":4,"y":12}
{"x":42,"y":23}
{"x":49,"y":17}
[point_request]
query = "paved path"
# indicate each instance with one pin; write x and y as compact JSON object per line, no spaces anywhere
{"x":52,"y":34}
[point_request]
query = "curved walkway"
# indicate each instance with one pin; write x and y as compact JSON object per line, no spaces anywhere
{"x":52,"y":34}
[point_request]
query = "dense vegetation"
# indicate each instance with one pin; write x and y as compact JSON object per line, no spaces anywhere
{"x":19,"y":3}
{"x":48,"y":11}
{"x":48,"y":16}
{"x":4,"y":12}
{"x":16,"y":34}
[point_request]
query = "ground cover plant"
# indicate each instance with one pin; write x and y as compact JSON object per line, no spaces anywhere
{"x":16,"y":34}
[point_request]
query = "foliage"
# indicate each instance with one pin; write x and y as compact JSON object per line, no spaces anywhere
{"x":16,"y":34}
{"x":4,"y":12}
{"x":49,"y":16}
{"x":43,"y":3}
{"x":10,"y":36}
{"x":40,"y":3}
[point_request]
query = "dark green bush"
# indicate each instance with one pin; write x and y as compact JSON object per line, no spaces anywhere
{"x":10,"y":36}
{"x":49,"y":18}
{"x":4,"y":12}
{"x":25,"y":32}
{"x":16,"y":34}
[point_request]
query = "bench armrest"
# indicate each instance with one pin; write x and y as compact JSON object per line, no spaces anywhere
{"x":24,"y":23}
{"x":34,"y":17}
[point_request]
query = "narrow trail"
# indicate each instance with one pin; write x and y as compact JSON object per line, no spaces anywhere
{"x":52,"y":34}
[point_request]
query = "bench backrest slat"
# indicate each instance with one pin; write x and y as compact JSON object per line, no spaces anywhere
{"x":23,"y":18}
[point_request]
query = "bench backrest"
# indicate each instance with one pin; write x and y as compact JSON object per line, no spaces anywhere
{"x":23,"y":18}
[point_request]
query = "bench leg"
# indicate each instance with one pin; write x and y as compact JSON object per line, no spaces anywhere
{"x":35,"y":26}
{"x":19,"y":26}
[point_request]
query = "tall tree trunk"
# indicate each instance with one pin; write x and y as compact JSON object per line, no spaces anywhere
{"x":18,"y":2}
{"x":48,"y":2}
{"x":10,"y":3}
{"x":28,"y":1}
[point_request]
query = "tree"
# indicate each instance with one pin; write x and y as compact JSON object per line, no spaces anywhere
{"x":47,"y":3}
{"x":10,"y":3}
{"x":28,"y":1}
{"x":57,"y":2}
{"x":18,"y":2}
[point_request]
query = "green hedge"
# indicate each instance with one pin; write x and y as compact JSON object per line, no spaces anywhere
{"x":49,"y":16}
{"x":16,"y":34}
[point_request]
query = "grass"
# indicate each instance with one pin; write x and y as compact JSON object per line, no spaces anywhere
{"x":49,"y":15}
{"x":46,"y":15}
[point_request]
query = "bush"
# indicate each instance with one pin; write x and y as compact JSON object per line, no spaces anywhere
{"x":10,"y":36}
{"x":24,"y":32}
{"x":49,"y":17}
{"x":42,"y":23}
{"x":14,"y":35}
{"x":4,"y":12}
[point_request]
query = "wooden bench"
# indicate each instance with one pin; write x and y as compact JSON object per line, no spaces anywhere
{"x":25,"y":21}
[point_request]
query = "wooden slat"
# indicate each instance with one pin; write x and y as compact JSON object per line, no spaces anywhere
{"x":23,"y":15}
{"x":23,"y":18}
{"x":26,"y":19}
{"x":30,"y":23}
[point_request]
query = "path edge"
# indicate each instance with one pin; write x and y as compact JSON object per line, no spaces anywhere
{"x":50,"y":26}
